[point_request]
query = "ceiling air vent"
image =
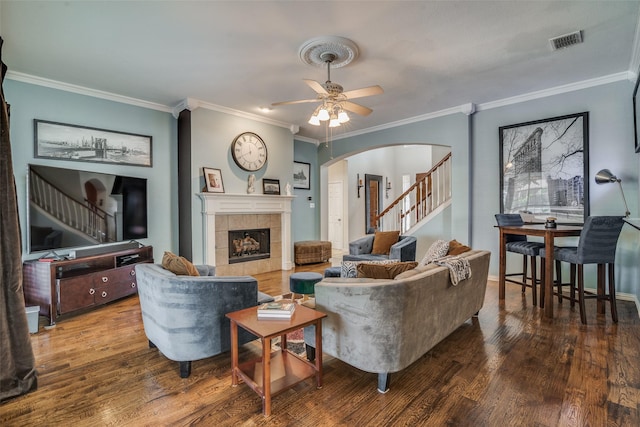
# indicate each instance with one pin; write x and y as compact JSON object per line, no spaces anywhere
{"x":566,"y":40}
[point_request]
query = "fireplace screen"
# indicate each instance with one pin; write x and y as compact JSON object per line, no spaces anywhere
{"x":249,"y":245}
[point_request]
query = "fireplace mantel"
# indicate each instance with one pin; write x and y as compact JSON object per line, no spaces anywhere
{"x":224,"y":204}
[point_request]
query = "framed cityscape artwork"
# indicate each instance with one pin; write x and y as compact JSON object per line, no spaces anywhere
{"x":544,"y":166}
{"x":302,"y":175}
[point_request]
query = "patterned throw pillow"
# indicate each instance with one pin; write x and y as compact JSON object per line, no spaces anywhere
{"x":350,"y":268}
{"x":438,"y":249}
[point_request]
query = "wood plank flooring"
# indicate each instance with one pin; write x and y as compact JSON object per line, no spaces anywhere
{"x":507,"y":367}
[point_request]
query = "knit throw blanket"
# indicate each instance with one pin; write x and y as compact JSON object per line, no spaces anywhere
{"x":459,"y":268}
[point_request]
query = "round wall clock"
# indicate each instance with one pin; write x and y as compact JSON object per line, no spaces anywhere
{"x":249,"y":151}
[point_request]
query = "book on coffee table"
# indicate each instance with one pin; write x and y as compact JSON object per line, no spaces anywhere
{"x":276,"y":310}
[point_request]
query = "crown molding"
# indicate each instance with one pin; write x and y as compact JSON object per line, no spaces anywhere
{"x":81,"y":90}
{"x":191,"y":104}
{"x":598,"y":81}
{"x":307,"y":139}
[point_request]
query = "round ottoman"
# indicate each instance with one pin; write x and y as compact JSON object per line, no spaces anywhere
{"x":303,"y":283}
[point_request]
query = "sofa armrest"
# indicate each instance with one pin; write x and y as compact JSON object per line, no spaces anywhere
{"x":363,"y":245}
{"x":404,"y":250}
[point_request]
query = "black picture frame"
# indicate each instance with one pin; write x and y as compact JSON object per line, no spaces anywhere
{"x":636,"y":114}
{"x":270,"y":186}
{"x":213,"y":180}
{"x":302,"y":175}
{"x":544,"y":169}
{"x":63,"y":141}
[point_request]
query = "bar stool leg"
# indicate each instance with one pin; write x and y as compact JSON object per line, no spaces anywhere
{"x":583,"y":314}
{"x":524,"y":273}
{"x":612,"y":293}
{"x":559,"y":280}
{"x":534,"y":281}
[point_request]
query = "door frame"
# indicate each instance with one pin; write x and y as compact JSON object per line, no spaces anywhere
{"x":367,"y":198}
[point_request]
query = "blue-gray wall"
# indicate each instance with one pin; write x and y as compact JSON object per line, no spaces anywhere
{"x":29,"y":102}
{"x":305,"y":216}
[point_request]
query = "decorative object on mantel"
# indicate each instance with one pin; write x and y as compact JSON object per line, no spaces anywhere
{"x":271,"y":186}
{"x":604,"y":177}
{"x":287,"y":189}
{"x":359,"y":184}
{"x":544,"y":165}
{"x":251,"y":184}
{"x":213,"y":180}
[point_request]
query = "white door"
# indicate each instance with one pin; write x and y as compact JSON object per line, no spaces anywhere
{"x":335,"y":207}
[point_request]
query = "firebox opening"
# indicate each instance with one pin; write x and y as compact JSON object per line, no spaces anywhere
{"x":249,"y":245}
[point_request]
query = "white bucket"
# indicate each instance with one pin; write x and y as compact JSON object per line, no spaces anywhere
{"x":32,"y":318}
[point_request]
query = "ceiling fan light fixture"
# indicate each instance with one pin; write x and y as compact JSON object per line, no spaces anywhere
{"x":323,"y":114}
{"x":314,"y":120}
{"x":334,"y":122}
{"x":343,"y":117}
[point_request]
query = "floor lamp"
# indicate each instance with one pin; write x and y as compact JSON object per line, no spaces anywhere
{"x":605,"y":176}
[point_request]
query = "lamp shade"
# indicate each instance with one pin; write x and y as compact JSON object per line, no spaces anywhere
{"x":605,"y":176}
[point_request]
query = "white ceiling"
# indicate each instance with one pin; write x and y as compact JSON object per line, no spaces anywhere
{"x":427,"y":55}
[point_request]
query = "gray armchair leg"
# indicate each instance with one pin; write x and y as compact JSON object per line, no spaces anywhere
{"x":185,"y":369}
{"x":151,"y":345}
{"x":383,"y":382}
{"x":311,"y":352}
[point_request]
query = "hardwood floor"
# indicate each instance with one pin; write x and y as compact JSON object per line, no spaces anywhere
{"x":507,"y":367}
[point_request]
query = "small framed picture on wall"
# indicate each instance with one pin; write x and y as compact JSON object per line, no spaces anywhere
{"x":270,"y":186}
{"x":302,"y":175}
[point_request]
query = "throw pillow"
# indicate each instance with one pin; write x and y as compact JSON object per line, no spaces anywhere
{"x":178,"y":265}
{"x":457,"y":248}
{"x":349,"y":269}
{"x":384,"y":271}
{"x":438,"y":249}
{"x":383,"y":240}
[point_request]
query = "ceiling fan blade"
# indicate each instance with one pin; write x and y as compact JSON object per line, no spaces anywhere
{"x":316,"y":86}
{"x":365,"y":91}
{"x":356,"y":108}
{"x":301,"y":101}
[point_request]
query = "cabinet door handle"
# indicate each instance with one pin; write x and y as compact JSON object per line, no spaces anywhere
{"x":104,"y":294}
{"x":133,"y":284}
{"x":105,"y":279}
{"x":133,"y":272}
{"x":92,"y":291}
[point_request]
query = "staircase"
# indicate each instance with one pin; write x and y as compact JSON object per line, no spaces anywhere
{"x":87,"y":219}
{"x":424,"y":199}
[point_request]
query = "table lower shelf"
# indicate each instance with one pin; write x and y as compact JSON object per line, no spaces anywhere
{"x":287,"y":370}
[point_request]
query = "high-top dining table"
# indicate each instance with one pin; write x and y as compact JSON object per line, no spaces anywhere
{"x":549,"y":235}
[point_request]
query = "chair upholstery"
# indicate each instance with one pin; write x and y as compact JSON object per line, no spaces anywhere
{"x":520,"y":245}
{"x":184,"y":316}
{"x":597,"y":245}
{"x":360,"y":249}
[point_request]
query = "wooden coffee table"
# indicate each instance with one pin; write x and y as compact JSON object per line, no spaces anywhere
{"x":293,"y":369}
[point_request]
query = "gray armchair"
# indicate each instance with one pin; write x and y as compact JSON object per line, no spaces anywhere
{"x":184,"y":316}
{"x":360,"y":249}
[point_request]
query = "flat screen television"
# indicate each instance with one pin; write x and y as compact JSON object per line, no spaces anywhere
{"x":70,"y":208}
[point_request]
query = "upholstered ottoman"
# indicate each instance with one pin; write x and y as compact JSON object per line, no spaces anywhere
{"x":304,"y":283}
{"x":333,"y":272}
{"x":310,"y":251}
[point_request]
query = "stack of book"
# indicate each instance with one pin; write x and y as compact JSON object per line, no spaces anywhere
{"x":276,"y":310}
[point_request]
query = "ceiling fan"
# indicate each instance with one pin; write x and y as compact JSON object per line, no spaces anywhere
{"x":334,"y":101}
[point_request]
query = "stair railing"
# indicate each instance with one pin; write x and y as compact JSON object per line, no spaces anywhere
{"x":419,"y":200}
{"x":87,"y":219}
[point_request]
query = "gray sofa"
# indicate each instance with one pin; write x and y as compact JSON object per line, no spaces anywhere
{"x":360,"y":249}
{"x":383,"y":326}
{"x":184,"y":316}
